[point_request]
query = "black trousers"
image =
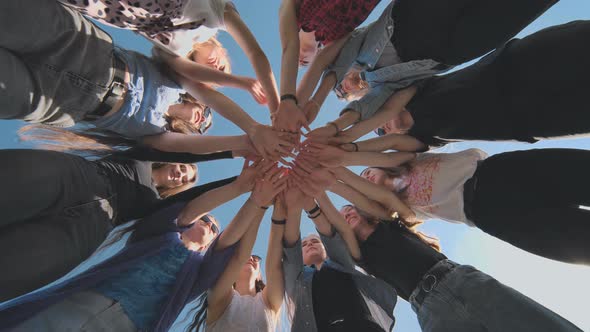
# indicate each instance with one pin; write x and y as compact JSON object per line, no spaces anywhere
{"x":456,"y":31}
{"x":56,"y":210}
{"x":531,"y":200}
{"x":532,"y":88}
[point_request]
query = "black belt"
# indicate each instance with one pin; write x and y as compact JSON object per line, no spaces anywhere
{"x":431,"y":279}
{"x":116,"y":91}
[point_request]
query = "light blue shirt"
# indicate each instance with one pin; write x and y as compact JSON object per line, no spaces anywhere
{"x":149,"y":94}
{"x":363,"y":50}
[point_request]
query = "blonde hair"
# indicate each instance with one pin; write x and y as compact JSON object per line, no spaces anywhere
{"x":213,"y":42}
{"x":354,"y":74}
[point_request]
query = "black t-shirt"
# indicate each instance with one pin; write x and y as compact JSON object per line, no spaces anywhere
{"x":130,"y":177}
{"x":398,"y":257}
{"x":336,"y":299}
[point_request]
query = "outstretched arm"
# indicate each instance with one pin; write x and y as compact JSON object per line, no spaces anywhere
{"x":319,"y":64}
{"x":375,"y":192}
{"x":331,"y":156}
{"x":196,"y":144}
{"x":197,"y":72}
{"x":267,"y":142}
{"x":392,"y":107}
{"x":244,"y":37}
{"x":274,"y":291}
{"x":289,"y":116}
{"x":398,"y":142}
{"x":335,"y":219}
{"x":247,"y":219}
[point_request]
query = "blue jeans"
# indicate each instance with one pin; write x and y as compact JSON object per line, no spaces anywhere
{"x":84,"y":311}
{"x":468,"y":300}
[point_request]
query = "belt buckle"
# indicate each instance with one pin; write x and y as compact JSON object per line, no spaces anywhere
{"x":118,"y":89}
{"x":427,"y":288}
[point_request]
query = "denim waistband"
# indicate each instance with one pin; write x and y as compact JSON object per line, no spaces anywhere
{"x":430,"y":281}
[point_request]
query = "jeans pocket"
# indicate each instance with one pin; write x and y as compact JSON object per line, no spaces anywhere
{"x":89,"y":224}
{"x":112,"y":318}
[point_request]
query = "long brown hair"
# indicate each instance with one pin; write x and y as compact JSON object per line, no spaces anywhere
{"x":167,"y":192}
{"x":431,"y":241}
{"x":394,"y":172}
{"x":92,"y":141}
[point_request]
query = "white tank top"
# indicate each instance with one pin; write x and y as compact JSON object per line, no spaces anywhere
{"x":434,"y":185}
{"x":245,"y":314}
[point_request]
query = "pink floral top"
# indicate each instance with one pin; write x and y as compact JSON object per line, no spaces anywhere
{"x":434,"y":185}
{"x":158,"y":20}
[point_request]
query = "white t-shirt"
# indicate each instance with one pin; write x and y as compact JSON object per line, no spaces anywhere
{"x":245,"y":314}
{"x":434,"y":185}
{"x":210,"y":11}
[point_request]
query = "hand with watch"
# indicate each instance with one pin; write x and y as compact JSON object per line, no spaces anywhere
{"x":290,"y":117}
{"x":279,"y":212}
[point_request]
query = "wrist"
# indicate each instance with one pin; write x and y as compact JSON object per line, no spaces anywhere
{"x":256,"y":204}
{"x":252,"y":128}
{"x":334,"y":126}
{"x":240,"y":188}
{"x":289,"y":97}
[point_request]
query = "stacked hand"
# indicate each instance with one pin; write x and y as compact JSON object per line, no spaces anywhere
{"x":268,"y":184}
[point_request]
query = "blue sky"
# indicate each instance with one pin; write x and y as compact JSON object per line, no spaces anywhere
{"x":560,"y":287}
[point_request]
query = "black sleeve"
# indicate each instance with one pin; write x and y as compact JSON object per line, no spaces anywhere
{"x":150,"y":154}
{"x":191,"y":193}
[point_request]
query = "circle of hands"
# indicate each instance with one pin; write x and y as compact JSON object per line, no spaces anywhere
{"x":291,"y":183}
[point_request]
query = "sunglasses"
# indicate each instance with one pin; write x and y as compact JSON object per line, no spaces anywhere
{"x":340,"y":93}
{"x":210,"y":222}
{"x":256,"y":258}
{"x":380,"y":131}
{"x":203,"y":126}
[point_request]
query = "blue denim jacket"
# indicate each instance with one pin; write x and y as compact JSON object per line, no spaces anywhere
{"x":379,"y":296}
{"x":363,"y":49}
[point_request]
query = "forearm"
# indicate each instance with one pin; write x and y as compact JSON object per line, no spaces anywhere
{"x":289,"y":33}
{"x":359,"y":200}
{"x":219,"y":296}
{"x":267,"y":80}
{"x":239,"y":225}
{"x":244,"y":37}
{"x":321,"y":94}
{"x":202,"y":74}
{"x":335,"y":219}
{"x":374,"y":192}
{"x":377,"y":159}
{"x":196,"y":144}
{"x":275,"y":287}
{"x":319,"y":64}
{"x":207,"y":202}
{"x":397,"y":142}
{"x":190,"y":194}
{"x":292,"y":233}
{"x":321,"y":223}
